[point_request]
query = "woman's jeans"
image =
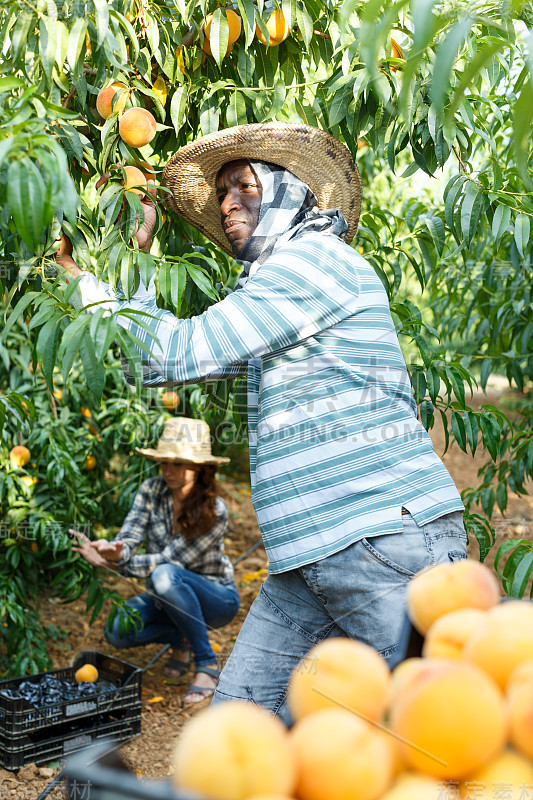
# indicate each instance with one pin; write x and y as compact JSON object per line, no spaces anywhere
{"x":179,"y":605}
{"x":358,"y":592}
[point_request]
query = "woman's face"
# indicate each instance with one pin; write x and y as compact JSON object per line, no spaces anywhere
{"x":179,"y":475}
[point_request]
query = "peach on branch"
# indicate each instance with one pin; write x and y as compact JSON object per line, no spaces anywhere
{"x":104,"y":101}
{"x":137,"y":127}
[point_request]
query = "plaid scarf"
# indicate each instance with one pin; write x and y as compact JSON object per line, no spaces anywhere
{"x":288,"y":210}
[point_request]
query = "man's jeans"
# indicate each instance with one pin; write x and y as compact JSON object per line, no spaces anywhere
{"x":358,"y":592}
{"x":181,"y":605}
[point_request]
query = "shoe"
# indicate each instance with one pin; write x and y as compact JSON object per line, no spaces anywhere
{"x":175,"y":668}
{"x":203,"y":690}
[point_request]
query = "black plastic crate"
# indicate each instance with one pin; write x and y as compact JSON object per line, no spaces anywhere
{"x":71,"y":737}
{"x":19,"y":718}
{"x":98,"y":773}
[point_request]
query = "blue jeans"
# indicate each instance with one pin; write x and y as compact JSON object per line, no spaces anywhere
{"x":180,"y":605}
{"x":358,"y":592}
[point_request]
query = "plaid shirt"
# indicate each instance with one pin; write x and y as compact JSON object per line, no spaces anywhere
{"x":150,"y":521}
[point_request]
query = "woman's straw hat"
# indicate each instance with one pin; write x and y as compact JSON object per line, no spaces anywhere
{"x":313,"y":155}
{"x":184,"y":441}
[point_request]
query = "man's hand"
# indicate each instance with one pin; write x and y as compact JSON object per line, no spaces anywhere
{"x":90,"y":551}
{"x":64,"y":257}
{"x":142,"y":233}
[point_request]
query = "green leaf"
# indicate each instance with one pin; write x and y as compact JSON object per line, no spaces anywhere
{"x":489,"y":439}
{"x":247,"y":9}
{"x":219,"y":35}
{"x":521,"y":233}
{"x":76,"y":40}
{"x":202,"y":281}
{"x":445,"y":56}
{"x":93,"y":369}
{"x":522,"y":576}
{"x":102,"y":20}
{"x":522,"y":124}
{"x":458,"y":430}
{"x":26,"y":195}
{"x":6,"y":84}
{"x":433,"y":382}
{"x":236,"y":110}
{"x":17,"y":312}
{"x":471,"y":209}
{"x":178,"y":106}
{"x":436,"y":228}
{"x":500,"y":221}
{"x":457,"y":384}
{"x":471,"y":429}
{"x":46,"y":348}
{"x":305,"y":24}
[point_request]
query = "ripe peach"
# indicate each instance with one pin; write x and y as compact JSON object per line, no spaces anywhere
{"x":235,"y":751}
{"x":403,"y":673}
{"x":19,"y":456}
{"x":446,"y":587}
{"x":90,"y":462}
{"x":277,"y":28}
{"x":415,"y":786}
{"x":134,"y":177}
{"x":520,"y":698}
{"x":340,"y":756}
{"x":503,"y":641}
{"x":170,"y":400}
{"x":451,"y":720}
{"x":509,"y":775}
{"x":104,"y":101}
{"x":137,"y":127}
{"x":340,"y":672}
{"x":234,"y":23}
{"x":447,"y":636}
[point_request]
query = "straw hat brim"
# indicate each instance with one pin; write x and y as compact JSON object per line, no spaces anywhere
{"x":154,"y":455}
{"x":313,"y":155}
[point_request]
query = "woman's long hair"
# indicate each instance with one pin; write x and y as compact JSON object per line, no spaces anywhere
{"x":198,"y":514}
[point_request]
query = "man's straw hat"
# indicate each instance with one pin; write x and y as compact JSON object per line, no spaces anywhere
{"x":184,"y":441}
{"x":313,"y":155}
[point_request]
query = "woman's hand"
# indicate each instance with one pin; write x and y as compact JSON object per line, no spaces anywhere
{"x":90,"y":551}
{"x":111,"y":550}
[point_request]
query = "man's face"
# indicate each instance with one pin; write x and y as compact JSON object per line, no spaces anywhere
{"x":239,"y":193}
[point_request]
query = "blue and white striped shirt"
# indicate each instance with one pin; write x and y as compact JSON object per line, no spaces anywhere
{"x":335,"y":445}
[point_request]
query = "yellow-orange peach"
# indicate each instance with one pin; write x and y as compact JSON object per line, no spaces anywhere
{"x":447,"y":636}
{"x":170,"y":400}
{"x":137,"y":127}
{"x":19,"y":456}
{"x":519,"y":693}
{"x":452,"y":719}
{"x":508,"y":776}
{"x":446,"y":587}
{"x":104,"y":101}
{"x":340,"y":671}
{"x":277,"y":28}
{"x":134,"y":177}
{"x":235,"y":751}
{"x":415,"y":786}
{"x":340,"y":756}
{"x":403,"y":673}
{"x":503,"y":641}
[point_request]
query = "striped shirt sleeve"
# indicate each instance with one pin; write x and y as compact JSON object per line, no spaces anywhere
{"x":294,"y":295}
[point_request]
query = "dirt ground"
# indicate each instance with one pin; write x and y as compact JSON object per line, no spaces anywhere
{"x":162,"y":715}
